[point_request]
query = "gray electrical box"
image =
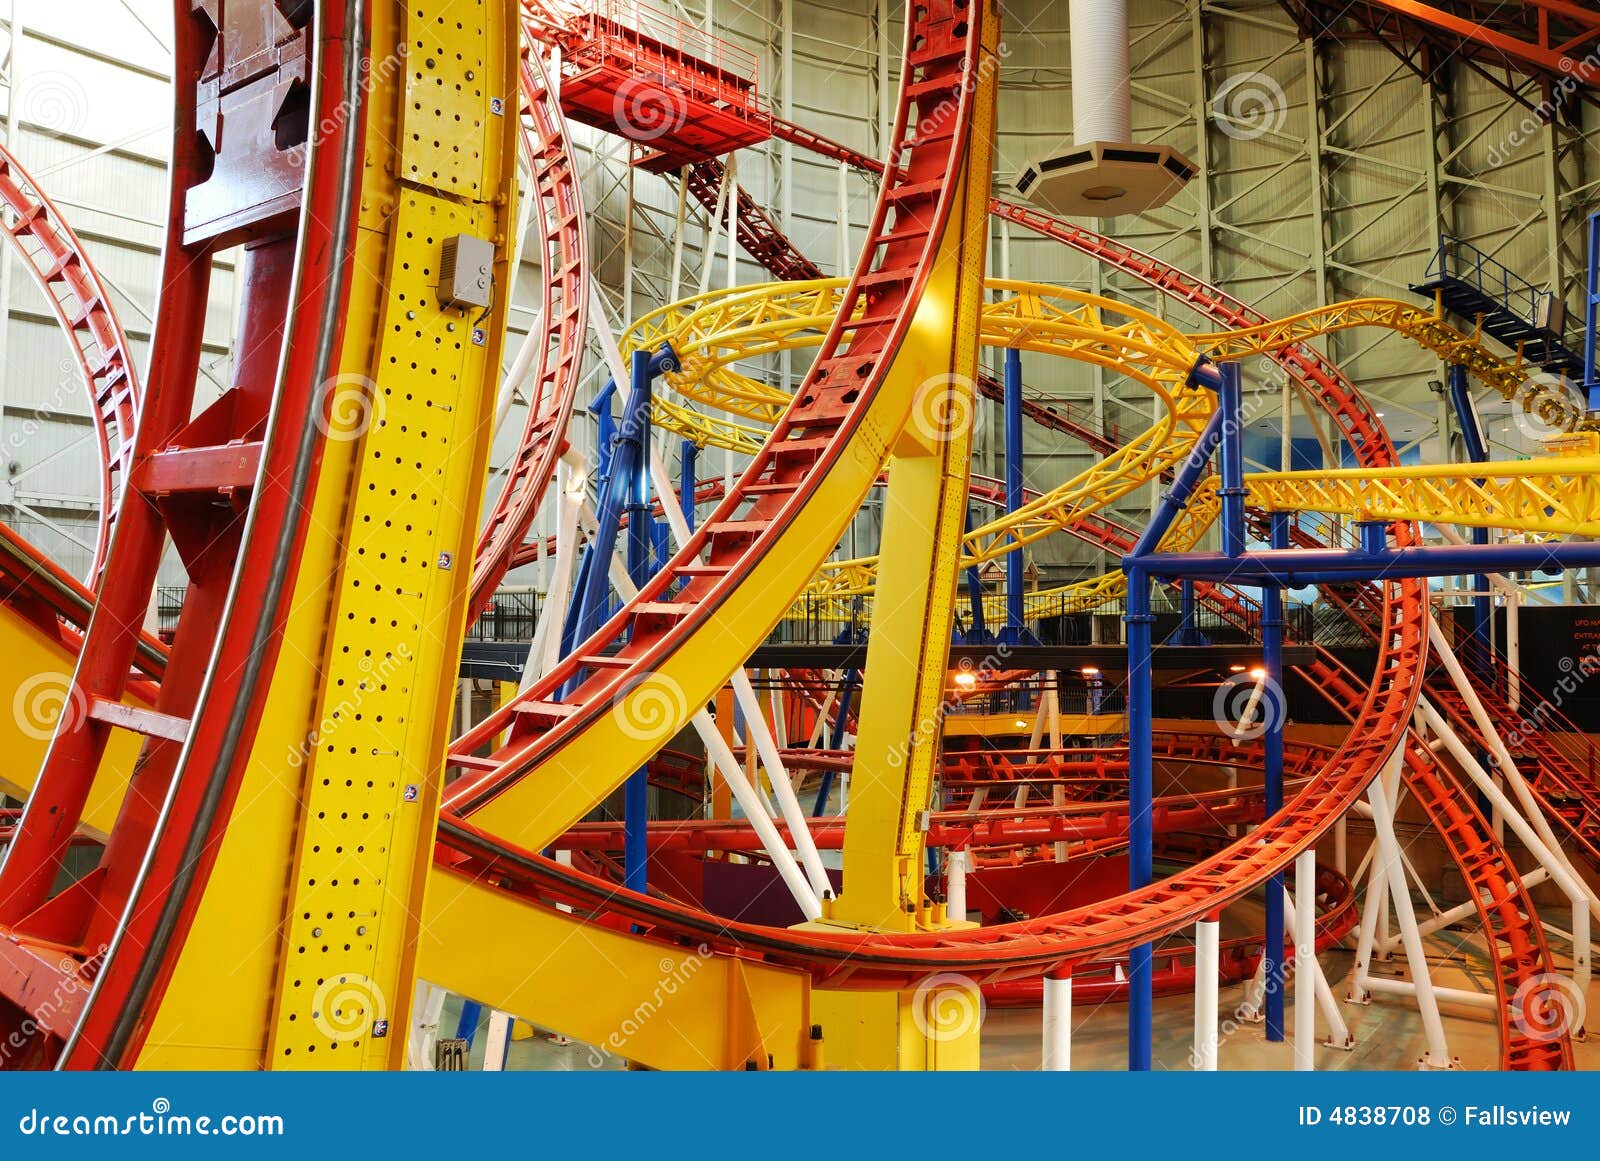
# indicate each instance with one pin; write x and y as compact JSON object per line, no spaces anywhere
{"x":466,"y":272}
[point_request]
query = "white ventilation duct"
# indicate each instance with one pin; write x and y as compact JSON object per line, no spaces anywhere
{"x":1104,"y":173}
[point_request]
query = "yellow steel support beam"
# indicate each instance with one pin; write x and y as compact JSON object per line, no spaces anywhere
{"x":1556,"y":495}
{"x":908,"y":649}
{"x":345,"y":774}
{"x":38,"y":677}
{"x":630,"y":998}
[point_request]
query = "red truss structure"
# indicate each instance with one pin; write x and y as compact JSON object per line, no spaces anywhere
{"x":683,"y":94}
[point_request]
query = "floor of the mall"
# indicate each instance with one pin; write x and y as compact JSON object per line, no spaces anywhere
{"x":1388,"y":1031}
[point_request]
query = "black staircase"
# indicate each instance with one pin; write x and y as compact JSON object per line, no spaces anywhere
{"x":1474,"y":286}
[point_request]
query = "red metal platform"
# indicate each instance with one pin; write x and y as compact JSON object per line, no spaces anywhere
{"x":663,"y":84}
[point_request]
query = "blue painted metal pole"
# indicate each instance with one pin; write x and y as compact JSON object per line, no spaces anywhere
{"x":1297,"y":567}
{"x":841,"y":714}
{"x":636,"y":791}
{"x":1477,"y":451}
{"x":1141,"y":791}
{"x":1230,"y":403}
{"x":1183,"y":483}
{"x":978,"y":631}
{"x":467,"y":1024}
{"x":1013,"y":437}
{"x":1591,"y":316}
{"x":688,"y":480}
{"x":1273,"y":709}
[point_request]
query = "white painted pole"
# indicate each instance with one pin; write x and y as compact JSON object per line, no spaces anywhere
{"x":1207,"y":975}
{"x":1531,"y":812}
{"x":1438,"y":1053}
{"x":1305,"y":957}
{"x":1057,"y":1056}
{"x":496,"y":1040}
{"x":1574,"y":888}
{"x":955,"y":886}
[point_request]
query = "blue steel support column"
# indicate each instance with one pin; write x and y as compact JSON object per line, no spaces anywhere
{"x":1591,"y":316}
{"x":1477,"y":452}
{"x":1141,"y":791}
{"x":636,"y":791}
{"x":688,"y":480}
{"x":1230,"y":402}
{"x":978,"y":630}
{"x":1273,"y":711}
{"x":841,"y":714}
{"x":1013,"y":435}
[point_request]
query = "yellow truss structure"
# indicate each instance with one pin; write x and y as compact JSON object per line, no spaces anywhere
{"x":1556,"y":495}
{"x":1547,"y":396}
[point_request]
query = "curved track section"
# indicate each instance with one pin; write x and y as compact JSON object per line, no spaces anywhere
{"x":558,"y":341}
{"x":57,"y":261}
{"x":720,"y":595}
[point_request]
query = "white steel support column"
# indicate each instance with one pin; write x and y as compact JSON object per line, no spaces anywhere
{"x":955,"y":884}
{"x":1057,"y":1054}
{"x":1207,"y":973}
{"x":1305,"y":960}
{"x":1438,"y":1052}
